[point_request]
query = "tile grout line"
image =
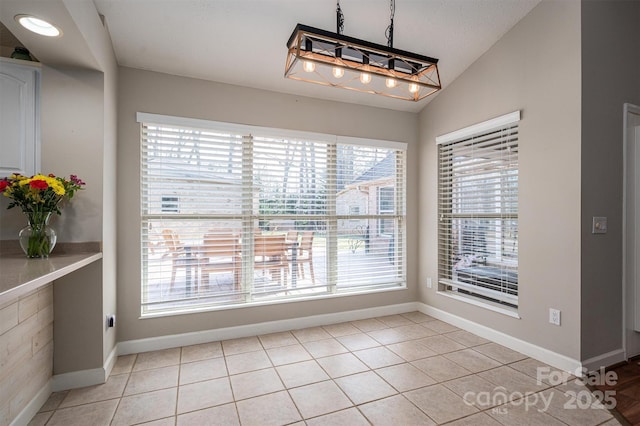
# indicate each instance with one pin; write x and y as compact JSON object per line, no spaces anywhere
{"x":175,"y":411}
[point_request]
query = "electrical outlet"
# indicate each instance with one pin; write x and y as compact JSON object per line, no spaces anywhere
{"x":599,"y":225}
{"x":429,"y":284}
{"x":554,"y":316}
{"x":111,"y":321}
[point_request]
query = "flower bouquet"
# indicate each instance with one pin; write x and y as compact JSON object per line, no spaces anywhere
{"x":38,"y":196}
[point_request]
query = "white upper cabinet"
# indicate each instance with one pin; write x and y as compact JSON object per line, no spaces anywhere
{"x":19,"y":117}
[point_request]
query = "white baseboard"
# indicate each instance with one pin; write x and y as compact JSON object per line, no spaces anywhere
{"x":194,"y":338}
{"x":111,"y":361}
{"x":32,"y":408}
{"x":554,"y":359}
{"x":604,"y":360}
{"x":79,"y":379}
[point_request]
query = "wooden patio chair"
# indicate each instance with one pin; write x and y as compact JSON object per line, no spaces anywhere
{"x":292,"y":236}
{"x":270,"y":252}
{"x":305,"y":255}
{"x":221,"y":253}
{"x":178,"y":254}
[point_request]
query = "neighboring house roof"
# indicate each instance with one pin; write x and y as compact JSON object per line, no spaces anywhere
{"x":383,"y":169}
{"x":171,"y":171}
{"x":380,"y":174}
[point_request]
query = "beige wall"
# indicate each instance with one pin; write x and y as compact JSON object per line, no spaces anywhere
{"x":72,"y":133}
{"x":534,"y":68}
{"x":164,"y":94}
{"x":610,"y":77}
{"x":78,"y":324}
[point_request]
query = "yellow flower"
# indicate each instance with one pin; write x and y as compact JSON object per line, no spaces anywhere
{"x":56,"y":185}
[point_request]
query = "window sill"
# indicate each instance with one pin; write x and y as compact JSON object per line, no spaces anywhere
{"x":483,"y":304}
{"x":324,"y":296}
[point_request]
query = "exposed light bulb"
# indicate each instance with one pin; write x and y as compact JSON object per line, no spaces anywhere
{"x":365,"y":78}
{"x":337,"y":72}
{"x":308,"y":66}
{"x":413,"y":87}
{"x":391,"y":83}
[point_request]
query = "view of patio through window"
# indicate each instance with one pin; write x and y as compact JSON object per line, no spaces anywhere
{"x":236,"y":214}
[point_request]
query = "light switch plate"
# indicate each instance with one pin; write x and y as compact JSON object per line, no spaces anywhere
{"x":599,"y":225}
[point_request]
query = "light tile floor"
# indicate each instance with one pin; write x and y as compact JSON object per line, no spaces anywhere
{"x":408,"y":369}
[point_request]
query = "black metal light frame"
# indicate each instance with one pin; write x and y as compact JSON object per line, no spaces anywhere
{"x":316,"y":56}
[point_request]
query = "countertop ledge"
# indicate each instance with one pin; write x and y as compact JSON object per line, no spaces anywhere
{"x":20,"y":276}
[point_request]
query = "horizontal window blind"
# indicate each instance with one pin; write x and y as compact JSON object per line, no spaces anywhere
{"x":200,"y":170}
{"x":478,"y":212}
{"x":235,"y":215}
{"x":369,"y":205}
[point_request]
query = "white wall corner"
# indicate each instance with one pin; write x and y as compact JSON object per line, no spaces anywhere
{"x":539,"y":353}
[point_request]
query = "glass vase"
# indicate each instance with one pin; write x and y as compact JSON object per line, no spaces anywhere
{"x":37,"y":239}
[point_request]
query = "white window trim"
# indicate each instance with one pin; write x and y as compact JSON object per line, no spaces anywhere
{"x":479,"y":128}
{"x":485,"y":304}
{"x":144,"y":117}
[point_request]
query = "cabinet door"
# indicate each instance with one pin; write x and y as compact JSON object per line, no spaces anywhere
{"x":19,"y":119}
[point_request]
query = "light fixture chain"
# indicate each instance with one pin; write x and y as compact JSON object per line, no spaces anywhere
{"x":339,"y":18}
{"x":389,"y":32}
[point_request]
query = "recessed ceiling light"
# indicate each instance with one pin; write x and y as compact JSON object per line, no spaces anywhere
{"x":38,"y":26}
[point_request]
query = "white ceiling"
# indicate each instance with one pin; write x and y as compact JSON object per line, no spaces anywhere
{"x":243,"y":42}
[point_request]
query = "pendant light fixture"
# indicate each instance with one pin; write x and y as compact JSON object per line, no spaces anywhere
{"x":333,"y":59}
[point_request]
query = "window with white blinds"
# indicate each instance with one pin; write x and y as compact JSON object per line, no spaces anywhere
{"x":234,"y":214}
{"x":478,"y":210}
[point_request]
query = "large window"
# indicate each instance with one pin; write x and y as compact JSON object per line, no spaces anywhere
{"x":478,"y":210}
{"x":236,"y":214}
